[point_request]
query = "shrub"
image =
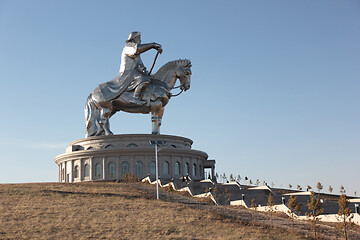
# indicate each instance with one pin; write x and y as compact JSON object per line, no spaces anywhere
{"x":130,"y":178}
{"x":316,"y":209}
{"x":271,"y":207}
{"x":344,"y":215}
{"x":293,"y":209}
{"x":253,"y":204}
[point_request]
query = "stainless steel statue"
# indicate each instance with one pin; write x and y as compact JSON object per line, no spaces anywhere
{"x":134,"y":89}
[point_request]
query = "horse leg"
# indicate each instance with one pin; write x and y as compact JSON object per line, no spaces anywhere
{"x":104,"y":121}
{"x":94,"y":118}
{"x":157,"y":112}
{"x":160,"y":115}
{"x":155,"y":123}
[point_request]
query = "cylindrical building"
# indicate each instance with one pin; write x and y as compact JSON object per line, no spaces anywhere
{"x":111,"y":157}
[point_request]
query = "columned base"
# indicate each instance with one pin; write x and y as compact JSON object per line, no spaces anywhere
{"x":111,"y":157}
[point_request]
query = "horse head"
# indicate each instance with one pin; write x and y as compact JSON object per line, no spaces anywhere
{"x":183,"y":73}
{"x":173,"y":70}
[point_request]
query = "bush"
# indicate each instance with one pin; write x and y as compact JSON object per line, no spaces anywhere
{"x":130,"y":178}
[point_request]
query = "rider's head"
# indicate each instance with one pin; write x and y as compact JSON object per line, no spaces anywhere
{"x":134,"y":37}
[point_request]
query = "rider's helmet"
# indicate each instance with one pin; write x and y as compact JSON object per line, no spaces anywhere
{"x":133,"y":35}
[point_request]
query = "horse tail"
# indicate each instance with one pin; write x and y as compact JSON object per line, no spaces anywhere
{"x":92,"y":118}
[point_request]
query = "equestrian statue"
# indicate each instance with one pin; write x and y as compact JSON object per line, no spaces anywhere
{"x":134,"y":89}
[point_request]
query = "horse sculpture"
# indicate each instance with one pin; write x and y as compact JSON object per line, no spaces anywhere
{"x":157,"y":95}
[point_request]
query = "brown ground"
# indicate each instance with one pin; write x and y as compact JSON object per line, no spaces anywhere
{"x":106,"y":210}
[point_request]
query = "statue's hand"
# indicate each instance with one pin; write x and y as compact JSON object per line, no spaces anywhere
{"x":158,"y":47}
{"x":145,"y":70}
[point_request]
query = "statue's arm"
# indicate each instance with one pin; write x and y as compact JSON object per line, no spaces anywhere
{"x":147,"y":46}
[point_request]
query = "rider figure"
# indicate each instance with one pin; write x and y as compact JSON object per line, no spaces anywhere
{"x":131,"y":61}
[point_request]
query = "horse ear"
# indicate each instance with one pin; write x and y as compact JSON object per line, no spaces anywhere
{"x":189,"y":64}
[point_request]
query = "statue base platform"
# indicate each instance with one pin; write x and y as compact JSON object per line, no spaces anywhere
{"x":112,"y":157}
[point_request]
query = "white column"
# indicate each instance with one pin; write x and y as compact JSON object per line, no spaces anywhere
{"x":65,"y":171}
{"x":72,"y":171}
{"x":80,"y":170}
{"x":91,"y":170}
{"x":103,"y":177}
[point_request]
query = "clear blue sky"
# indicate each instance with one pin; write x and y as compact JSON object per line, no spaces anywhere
{"x":274,"y":94}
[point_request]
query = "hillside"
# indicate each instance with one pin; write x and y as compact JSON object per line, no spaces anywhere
{"x":105,"y":210}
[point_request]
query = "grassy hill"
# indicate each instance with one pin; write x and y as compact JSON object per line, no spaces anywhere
{"x":106,"y":210}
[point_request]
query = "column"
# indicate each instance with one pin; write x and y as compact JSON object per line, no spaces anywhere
{"x":65,"y":171}
{"x":132,"y":165}
{"x":213,"y":173}
{"x":72,"y":171}
{"x":103,"y":163}
{"x":91,"y":168}
{"x":118,"y":167}
{"x":171,"y":166}
{"x":80,"y":170}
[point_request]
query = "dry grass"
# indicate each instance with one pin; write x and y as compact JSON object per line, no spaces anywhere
{"x":111,"y":211}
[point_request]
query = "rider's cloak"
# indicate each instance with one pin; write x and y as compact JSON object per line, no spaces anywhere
{"x":130,"y":62}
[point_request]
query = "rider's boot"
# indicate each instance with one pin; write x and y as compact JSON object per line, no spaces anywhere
{"x":136,"y":98}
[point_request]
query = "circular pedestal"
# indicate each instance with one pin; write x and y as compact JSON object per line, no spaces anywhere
{"x":111,"y":157}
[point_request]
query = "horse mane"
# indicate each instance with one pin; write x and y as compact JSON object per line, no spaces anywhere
{"x":171,"y":65}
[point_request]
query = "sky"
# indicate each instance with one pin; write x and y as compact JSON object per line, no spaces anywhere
{"x":274,"y":92}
